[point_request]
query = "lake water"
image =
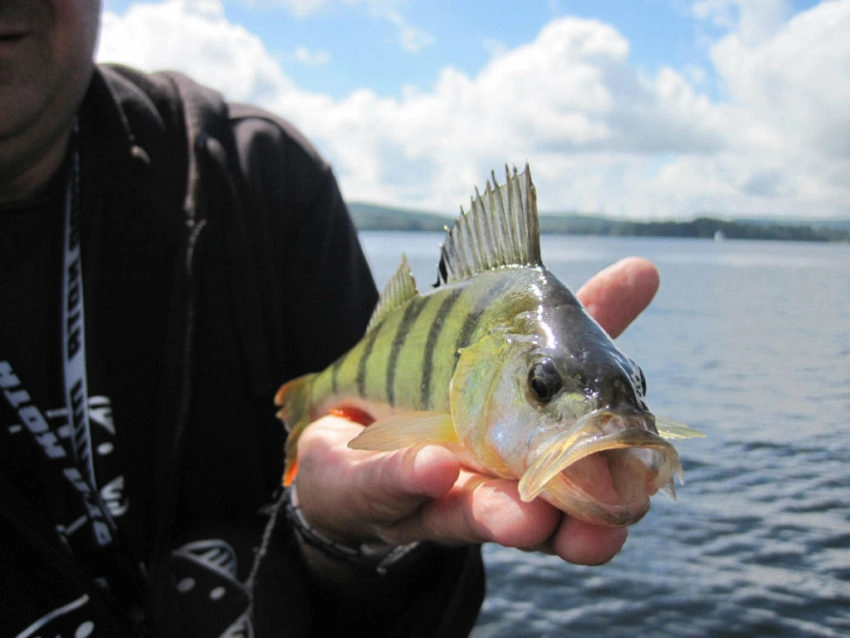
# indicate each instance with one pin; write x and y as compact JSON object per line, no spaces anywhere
{"x":750,"y":343}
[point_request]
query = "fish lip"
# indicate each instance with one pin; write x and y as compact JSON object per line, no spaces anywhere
{"x":602,"y":430}
{"x":601,"y":514}
{"x":615,"y":425}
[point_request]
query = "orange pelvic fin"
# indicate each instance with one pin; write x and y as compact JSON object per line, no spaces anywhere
{"x":353,"y":414}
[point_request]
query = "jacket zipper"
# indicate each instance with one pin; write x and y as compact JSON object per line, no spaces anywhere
{"x":160,"y":586}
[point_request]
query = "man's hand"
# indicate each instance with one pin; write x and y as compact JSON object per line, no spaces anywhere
{"x":422,"y":493}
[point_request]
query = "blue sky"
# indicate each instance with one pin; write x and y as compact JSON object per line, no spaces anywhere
{"x":646,"y":108}
{"x":365,"y":48}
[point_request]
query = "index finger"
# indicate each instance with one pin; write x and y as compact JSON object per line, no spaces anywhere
{"x":479,"y":509}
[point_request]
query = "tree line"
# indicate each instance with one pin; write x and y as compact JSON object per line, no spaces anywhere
{"x":372,"y":217}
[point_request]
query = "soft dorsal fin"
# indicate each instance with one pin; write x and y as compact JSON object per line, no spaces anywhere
{"x":400,"y":289}
{"x":501,"y":229}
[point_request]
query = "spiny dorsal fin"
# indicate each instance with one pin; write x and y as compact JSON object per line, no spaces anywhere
{"x":400,"y":289}
{"x":501,"y":229}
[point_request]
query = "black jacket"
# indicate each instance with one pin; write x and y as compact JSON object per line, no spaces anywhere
{"x":219,"y":261}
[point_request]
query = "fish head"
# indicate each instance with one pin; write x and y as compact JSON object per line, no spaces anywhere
{"x":550,"y":400}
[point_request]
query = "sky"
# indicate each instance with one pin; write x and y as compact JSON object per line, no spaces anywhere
{"x":639,"y":109}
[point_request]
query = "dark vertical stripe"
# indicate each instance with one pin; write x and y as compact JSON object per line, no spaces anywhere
{"x":431,"y":344}
{"x":408,"y":319}
{"x":470,"y":323}
{"x":486,"y":299}
{"x":364,"y":359}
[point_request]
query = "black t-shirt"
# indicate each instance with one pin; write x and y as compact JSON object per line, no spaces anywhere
{"x":30,"y":265}
{"x":31,"y":238}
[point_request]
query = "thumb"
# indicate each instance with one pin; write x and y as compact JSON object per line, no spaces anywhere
{"x":355,"y":494}
{"x":616,"y":295}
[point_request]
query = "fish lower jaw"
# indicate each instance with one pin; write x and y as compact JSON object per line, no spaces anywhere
{"x":608,"y":488}
{"x":591,"y":511}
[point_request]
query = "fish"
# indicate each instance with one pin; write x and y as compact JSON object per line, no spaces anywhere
{"x":500,"y":363}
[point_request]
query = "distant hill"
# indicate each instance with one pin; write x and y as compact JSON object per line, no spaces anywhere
{"x":704,"y":227}
{"x":837,"y":224}
{"x":373,"y":217}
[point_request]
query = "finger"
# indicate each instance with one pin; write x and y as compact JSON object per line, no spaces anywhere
{"x":616,"y":295}
{"x":482,"y":509}
{"x":479,"y":509}
{"x":585,"y":544}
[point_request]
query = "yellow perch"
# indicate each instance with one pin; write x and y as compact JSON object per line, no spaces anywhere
{"x":500,"y":363}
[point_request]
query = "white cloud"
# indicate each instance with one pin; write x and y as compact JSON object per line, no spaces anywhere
{"x":410,"y":38}
{"x":195,"y":37}
{"x":600,"y":136}
{"x":791,"y":94}
{"x":493,"y":46}
{"x":303,"y":7}
{"x":312,"y":58}
{"x":299,"y":8}
{"x":752,"y":20}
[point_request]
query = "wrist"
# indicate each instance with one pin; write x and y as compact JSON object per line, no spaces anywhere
{"x":374,"y":556}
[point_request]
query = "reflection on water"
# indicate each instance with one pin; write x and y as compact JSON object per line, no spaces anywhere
{"x":750,"y":343}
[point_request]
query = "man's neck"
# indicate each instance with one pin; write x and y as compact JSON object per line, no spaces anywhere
{"x":26,"y":175}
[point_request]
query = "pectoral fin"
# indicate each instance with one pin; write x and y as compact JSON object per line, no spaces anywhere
{"x":403,"y":430}
{"x":670,"y":429}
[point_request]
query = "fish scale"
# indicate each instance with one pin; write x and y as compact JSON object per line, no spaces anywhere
{"x":395,"y":362}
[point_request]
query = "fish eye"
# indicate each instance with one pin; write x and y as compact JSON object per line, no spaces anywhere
{"x":544,"y":380}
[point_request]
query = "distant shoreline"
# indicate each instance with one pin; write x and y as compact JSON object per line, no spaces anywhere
{"x":372,"y":217}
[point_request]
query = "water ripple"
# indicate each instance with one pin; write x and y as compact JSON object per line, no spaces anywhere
{"x":741,"y":345}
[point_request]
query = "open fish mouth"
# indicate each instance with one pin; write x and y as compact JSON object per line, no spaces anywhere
{"x":604,"y":468}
